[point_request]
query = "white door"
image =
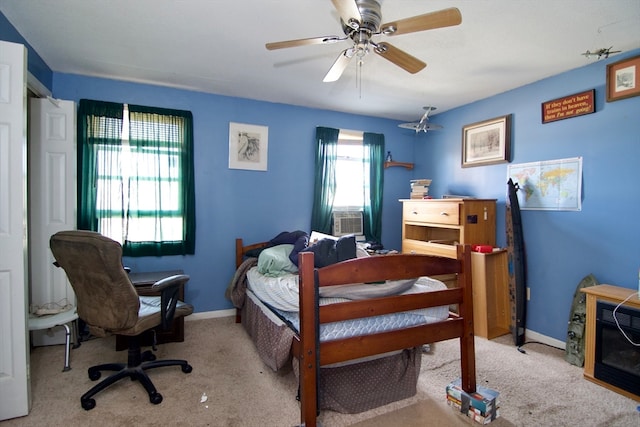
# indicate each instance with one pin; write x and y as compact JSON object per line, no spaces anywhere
{"x":14,"y":393}
{"x":52,"y":203}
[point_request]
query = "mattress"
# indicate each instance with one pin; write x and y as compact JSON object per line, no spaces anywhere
{"x":280,"y":294}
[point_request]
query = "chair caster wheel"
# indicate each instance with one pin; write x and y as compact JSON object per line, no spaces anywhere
{"x":94,"y":375}
{"x":88,"y":404}
{"x":155,"y":398}
{"x":187,"y":368}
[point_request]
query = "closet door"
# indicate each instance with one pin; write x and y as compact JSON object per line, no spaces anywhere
{"x":52,"y":199}
{"x":14,"y":358}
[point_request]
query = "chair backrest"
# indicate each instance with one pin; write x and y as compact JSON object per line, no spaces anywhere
{"x":107,"y":301}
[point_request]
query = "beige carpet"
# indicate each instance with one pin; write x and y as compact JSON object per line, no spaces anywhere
{"x":229,"y":387}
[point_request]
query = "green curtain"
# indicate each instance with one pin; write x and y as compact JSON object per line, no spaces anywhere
{"x":372,"y":210}
{"x":324,"y":187}
{"x":99,"y":126}
{"x":158,"y":166}
{"x":162,"y":140}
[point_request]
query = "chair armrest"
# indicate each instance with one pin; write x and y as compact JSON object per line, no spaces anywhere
{"x":169,"y":288}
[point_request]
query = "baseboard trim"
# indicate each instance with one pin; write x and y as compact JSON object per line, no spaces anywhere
{"x":535,"y":336}
{"x":529,"y":334}
{"x":211,"y":314}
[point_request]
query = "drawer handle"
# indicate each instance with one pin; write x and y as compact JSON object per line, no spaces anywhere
{"x":444,"y":214}
{"x":415,"y":212}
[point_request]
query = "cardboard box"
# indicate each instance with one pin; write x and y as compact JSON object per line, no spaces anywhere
{"x":482,"y":406}
{"x":474,"y":414}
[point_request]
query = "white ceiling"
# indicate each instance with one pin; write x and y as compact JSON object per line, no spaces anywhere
{"x":217,"y":46}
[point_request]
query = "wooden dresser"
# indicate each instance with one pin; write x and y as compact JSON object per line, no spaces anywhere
{"x":434,"y":226}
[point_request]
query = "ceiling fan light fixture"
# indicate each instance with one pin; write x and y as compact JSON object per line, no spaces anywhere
{"x":361,"y":21}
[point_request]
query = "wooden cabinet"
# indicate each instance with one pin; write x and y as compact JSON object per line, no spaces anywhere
{"x":490,"y":281}
{"x":614,"y":295}
{"x":434,"y":226}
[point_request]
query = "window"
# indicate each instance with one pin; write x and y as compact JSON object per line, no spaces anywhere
{"x":351,"y":186}
{"x":136,"y":169}
{"x":348,"y":175}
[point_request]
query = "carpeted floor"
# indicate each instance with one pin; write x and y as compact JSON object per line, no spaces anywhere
{"x":229,"y":387}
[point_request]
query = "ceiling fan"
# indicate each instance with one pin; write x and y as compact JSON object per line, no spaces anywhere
{"x":361,"y":21}
{"x":423,"y":125}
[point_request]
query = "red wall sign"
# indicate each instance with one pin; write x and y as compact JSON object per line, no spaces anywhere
{"x":569,"y":106}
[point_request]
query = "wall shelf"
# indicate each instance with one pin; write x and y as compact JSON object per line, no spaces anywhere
{"x":403,"y":164}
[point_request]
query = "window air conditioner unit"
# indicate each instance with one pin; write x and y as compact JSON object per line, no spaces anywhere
{"x":347,"y":222}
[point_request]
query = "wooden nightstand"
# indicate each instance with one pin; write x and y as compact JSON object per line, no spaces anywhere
{"x":491,"y":309}
{"x":143,"y":283}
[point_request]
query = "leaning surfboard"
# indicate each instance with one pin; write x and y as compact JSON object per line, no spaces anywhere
{"x":517,"y":265}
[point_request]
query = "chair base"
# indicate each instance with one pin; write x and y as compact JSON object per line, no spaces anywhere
{"x":135,"y":369}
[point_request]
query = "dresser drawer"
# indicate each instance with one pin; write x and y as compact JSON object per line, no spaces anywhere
{"x":432,"y":212}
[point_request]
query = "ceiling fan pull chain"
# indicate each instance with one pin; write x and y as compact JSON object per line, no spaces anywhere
{"x":359,"y":77}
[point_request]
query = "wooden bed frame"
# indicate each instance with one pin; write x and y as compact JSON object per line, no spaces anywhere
{"x":312,"y":354}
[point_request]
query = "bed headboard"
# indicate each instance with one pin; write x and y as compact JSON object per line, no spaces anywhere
{"x":241,"y":250}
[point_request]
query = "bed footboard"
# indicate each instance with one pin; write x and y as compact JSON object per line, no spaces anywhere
{"x":312,"y":354}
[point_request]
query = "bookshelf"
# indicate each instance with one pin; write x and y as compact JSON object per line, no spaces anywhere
{"x":401,"y":164}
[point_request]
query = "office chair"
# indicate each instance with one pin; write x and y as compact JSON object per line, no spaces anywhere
{"x":109,"y":304}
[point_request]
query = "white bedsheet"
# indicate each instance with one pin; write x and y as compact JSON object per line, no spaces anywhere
{"x":282,"y":294}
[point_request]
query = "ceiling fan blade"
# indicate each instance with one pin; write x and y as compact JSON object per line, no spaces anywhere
{"x":428,"y":21}
{"x":338,"y":67}
{"x":304,"y":42}
{"x":399,"y":57}
{"x":348,"y":10}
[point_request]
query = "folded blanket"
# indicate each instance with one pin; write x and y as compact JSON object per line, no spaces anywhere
{"x":238,"y":286}
{"x":358,"y":291}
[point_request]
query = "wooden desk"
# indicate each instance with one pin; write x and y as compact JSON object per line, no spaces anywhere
{"x":143,"y":283}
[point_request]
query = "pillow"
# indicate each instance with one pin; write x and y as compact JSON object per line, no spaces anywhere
{"x":274,"y":261}
{"x":299,"y":239}
{"x":328,"y":251}
{"x":254,"y":253}
{"x":362,"y":253}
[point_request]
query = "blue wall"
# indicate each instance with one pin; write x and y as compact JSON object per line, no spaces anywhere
{"x":234,"y":203}
{"x":562,"y":247}
{"x":36,"y":65}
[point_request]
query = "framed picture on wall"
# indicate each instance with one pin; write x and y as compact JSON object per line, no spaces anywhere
{"x":487,"y":142}
{"x":623,"y":79}
{"x":248,"y":146}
